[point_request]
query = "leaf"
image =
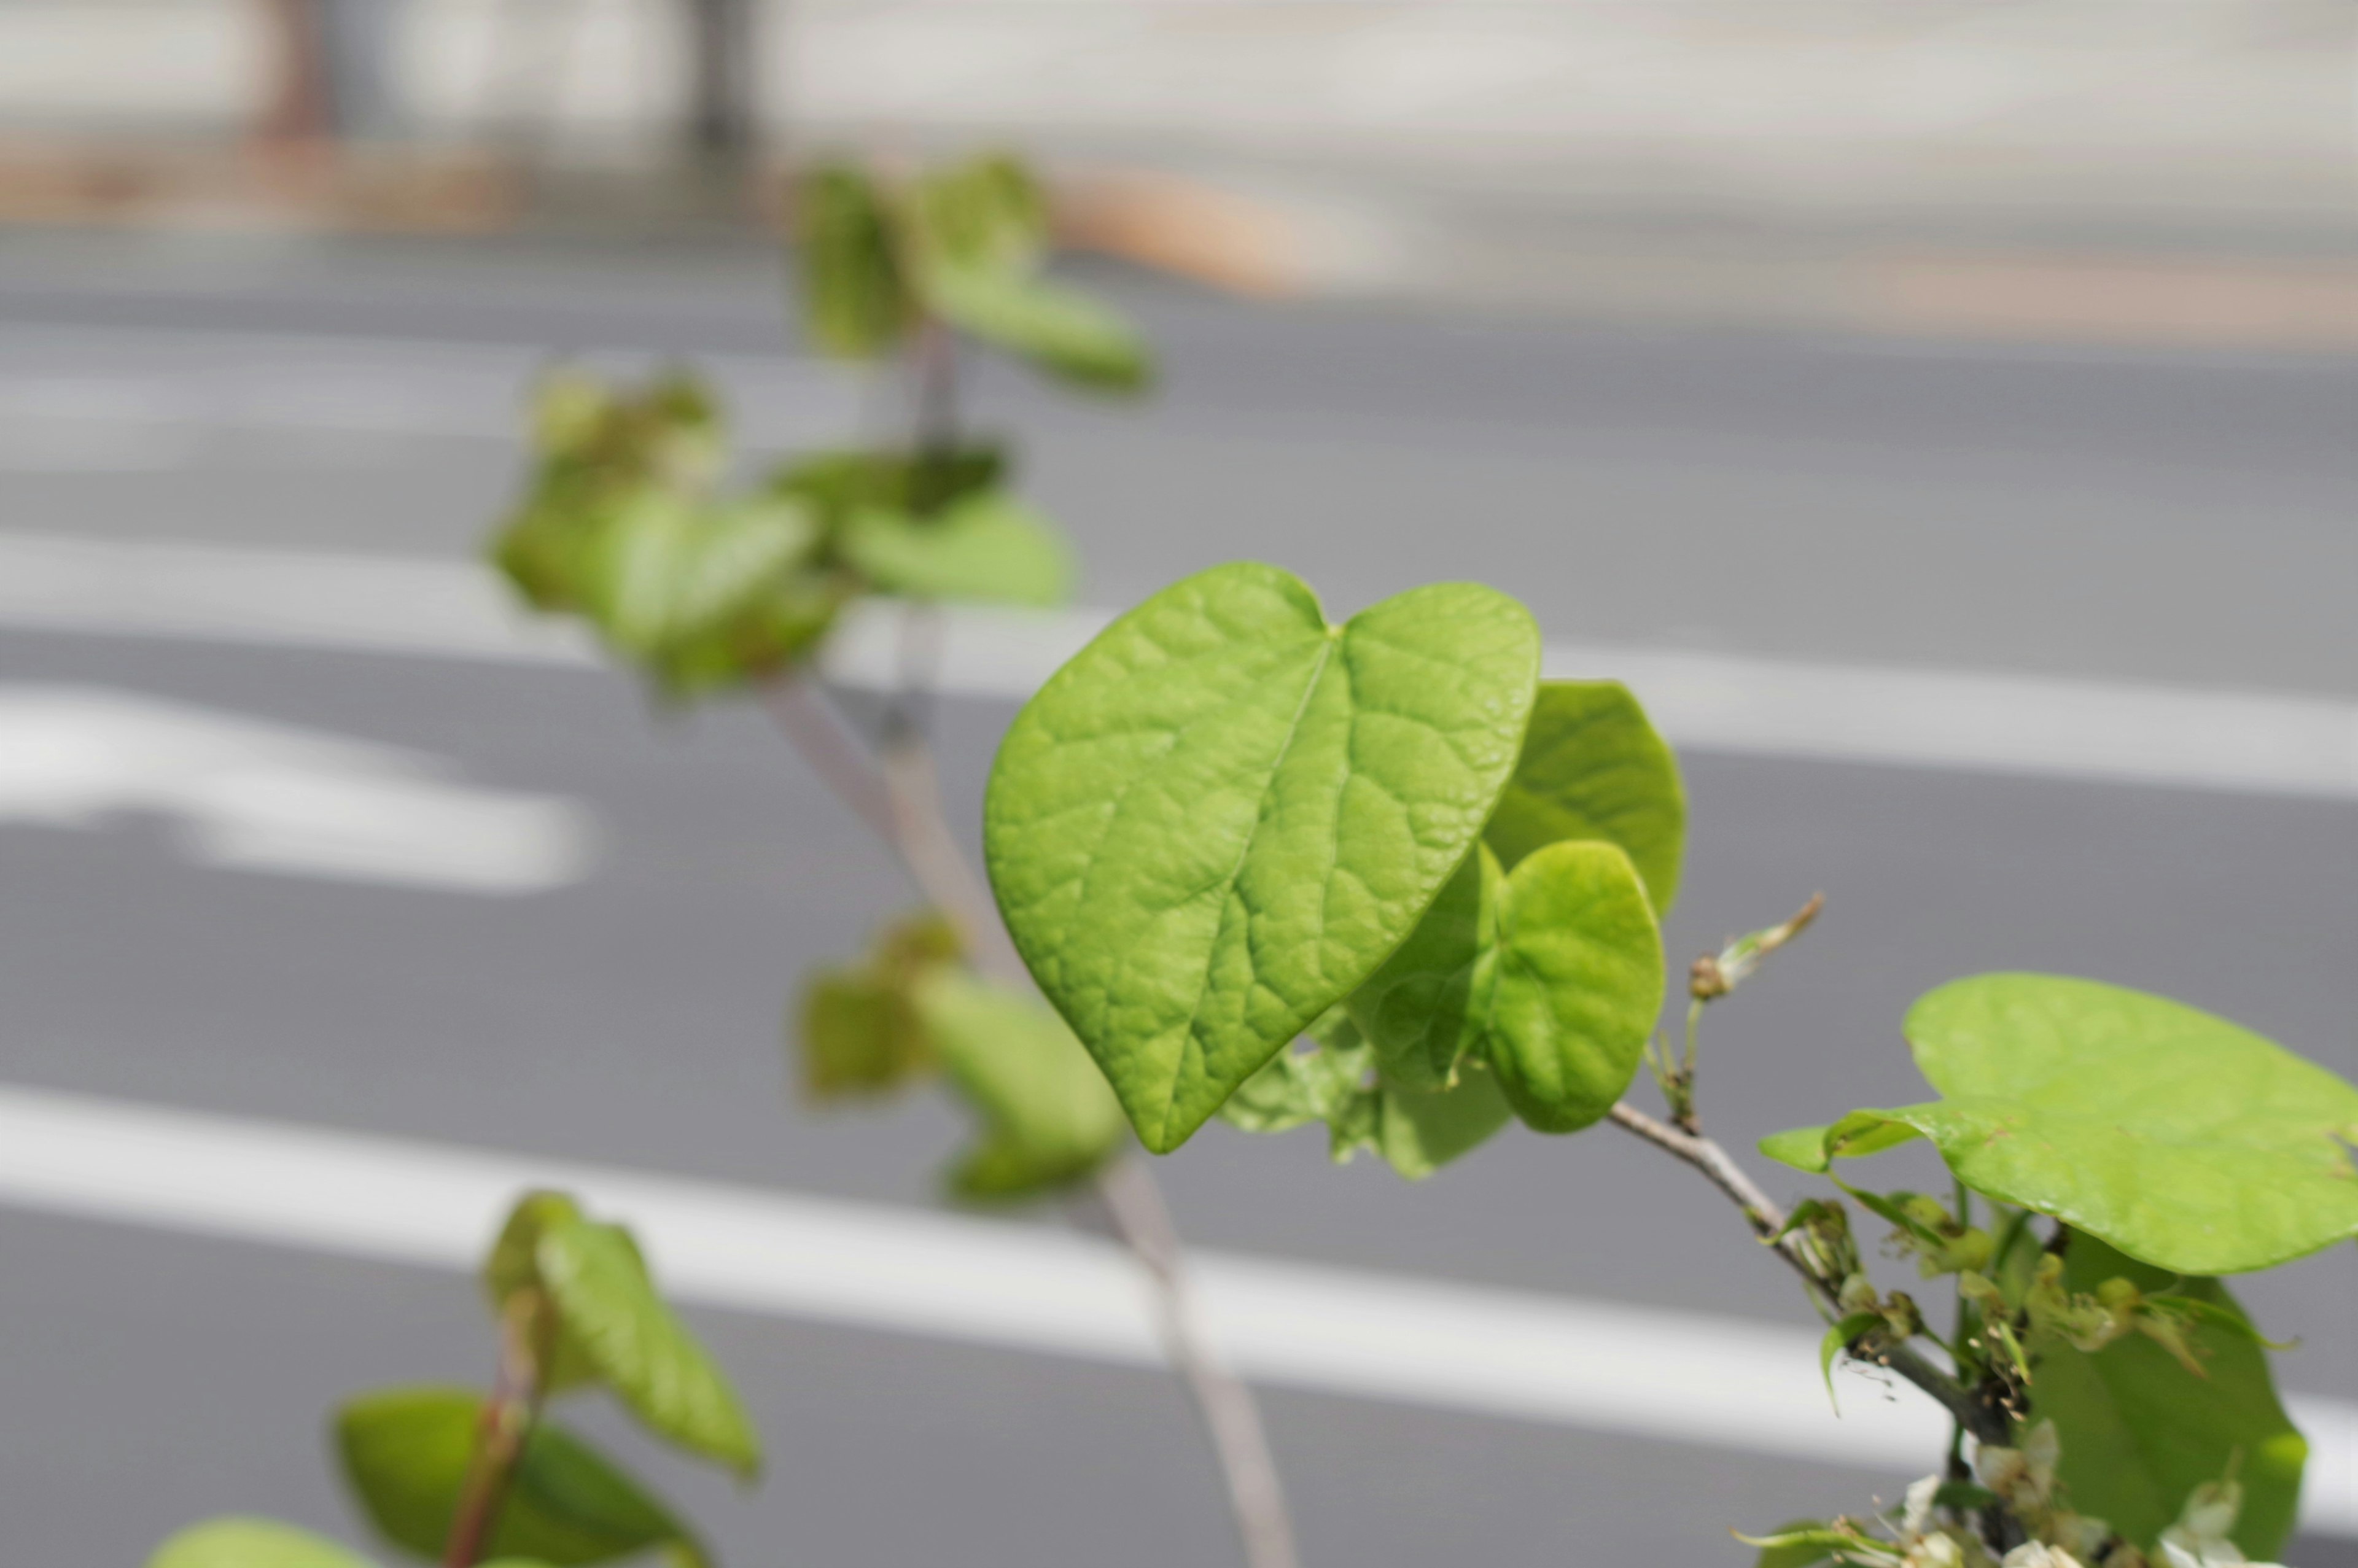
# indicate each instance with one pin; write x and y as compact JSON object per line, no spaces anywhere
{"x":1297,"y":1087}
{"x":989,"y":547}
{"x":1837,"y":1339}
{"x":608,"y":1308}
{"x":512,"y":1266}
{"x":1800,"y":1543}
{"x":2178,"y":1138}
{"x":1220,"y":817}
{"x":252,"y":1543}
{"x":987,"y":212}
{"x":1592,"y":767}
{"x":1420,"y":1131}
{"x":671,"y":571}
{"x":2139,"y":1432}
{"x":855,"y":302}
{"x":1049,"y":1117}
{"x":844,"y":480}
{"x":859,"y":1030}
{"x":1065,"y":333}
{"x":405,"y":1452}
{"x":1578,"y":984}
{"x":1428,"y":1005}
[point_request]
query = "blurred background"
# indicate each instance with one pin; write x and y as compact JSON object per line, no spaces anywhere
{"x":1944,"y":412}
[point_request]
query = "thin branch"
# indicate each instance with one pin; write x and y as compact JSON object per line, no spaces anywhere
{"x":1768,"y":1220}
{"x":899,"y":796}
{"x":508,"y":1418}
{"x":1134,"y":1208}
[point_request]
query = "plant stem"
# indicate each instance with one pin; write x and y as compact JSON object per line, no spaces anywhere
{"x":1767,"y":1220}
{"x":507,"y":1421}
{"x":898,"y":795}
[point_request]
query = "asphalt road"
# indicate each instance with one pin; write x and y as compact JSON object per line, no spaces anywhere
{"x":2140,"y":516}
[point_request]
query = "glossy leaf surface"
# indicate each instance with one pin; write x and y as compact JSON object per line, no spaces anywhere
{"x":405,"y":1452}
{"x":987,"y":548}
{"x":1220,"y":817}
{"x":1592,"y":767}
{"x":2181,"y":1138}
{"x":2140,"y":1431}
{"x":252,"y":1543}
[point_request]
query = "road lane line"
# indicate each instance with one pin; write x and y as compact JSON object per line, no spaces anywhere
{"x":2255,"y":743}
{"x":1675,"y":1375}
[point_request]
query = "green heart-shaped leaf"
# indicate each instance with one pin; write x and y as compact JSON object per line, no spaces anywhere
{"x":1592,"y":767}
{"x":1218,"y":818}
{"x":1553,"y":973}
{"x":2182,"y":1139}
{"x":1067,"y":334}
{"x":252,"y":1543}
{"x":2140,"y":1431}
{"x":405,"y":1452}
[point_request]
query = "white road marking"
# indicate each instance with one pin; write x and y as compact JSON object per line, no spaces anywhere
{"x":1680,"y":1376}
{"x":256,"y":796}
{"x":2258,"y":743}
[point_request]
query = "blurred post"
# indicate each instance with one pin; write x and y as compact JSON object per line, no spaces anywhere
{"x":331,"y":71}
{"x":721,"y":94}
{"x":297,"y":113}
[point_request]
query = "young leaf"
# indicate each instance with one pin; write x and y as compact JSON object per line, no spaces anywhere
{"x":988,"y":546}
{"x":1578,"y":986}
{"x":1217,"y":820}
{"x":1592,"y":767}
{"x":252,"y":1543}
{"x":1803,"y":1543}
{"x":1297,"y":1087}
{"x":1049,"y":1116}
{"x":987,"y":213}
{"x":837,"y":483}
{"x":1065,"y":333}
{"x":405,"y":1452}
{"x":860,"y":1030}
{"x":512,"y":1266}
{"x":2178,"y":1138}
{"x":1420,"y":1131}
{"x":670,"y":570}
{"x":2139,"y":1432}
{"x":609,"y":1308}
{"x":856,"y":303}
{"x":1428,"y":1006}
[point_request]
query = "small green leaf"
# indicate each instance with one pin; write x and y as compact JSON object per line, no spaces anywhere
{"x":855,"y":302}
{"x":1837,"y":1339}
{"x":844,"y":480}
{"x":1065,"y":333}
{"x":1220,"y":817}
{"x":987,"y":212}
{"x":1801,"y":1543}
{"x":1049,"y":1117}
{"x":1297,"y":1087}
{"x":1428,"y":1007}
{"x":1578,"y":987}
{"x":2139,"y":1432}
{"x":252,"y":1543}
{"x":1420,"y":1131}
{"x":513,"y":1267}
{"x":1803,"y":1148}
{"x":2178,"y":1138}
{"x":672,"y":572}
{"x":1592,"y":767}
{"x":988,"y":546}
{"x":608,"y":1308}
{"x":405,"y":1452}
{"x":859,"y":1029}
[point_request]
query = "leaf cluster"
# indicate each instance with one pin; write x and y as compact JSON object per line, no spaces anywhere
{"x":577,"y":1312}
{"x":912,"y":1008}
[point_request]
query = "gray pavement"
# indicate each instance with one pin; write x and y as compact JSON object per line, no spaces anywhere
{"x":2151,"y":515}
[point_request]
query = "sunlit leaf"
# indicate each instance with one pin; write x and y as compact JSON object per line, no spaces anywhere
{"x":2178,"y":1138}
{"x":988,"y":547}
{"x":406,"y":1453}
{"x":639,"y":1346}
{"x":1592,"y":767}
{"x":1058,"y":329}
{"x":1049,"y":1117}
{"x":252,"y":1543}
{"x":1220,"y":817}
